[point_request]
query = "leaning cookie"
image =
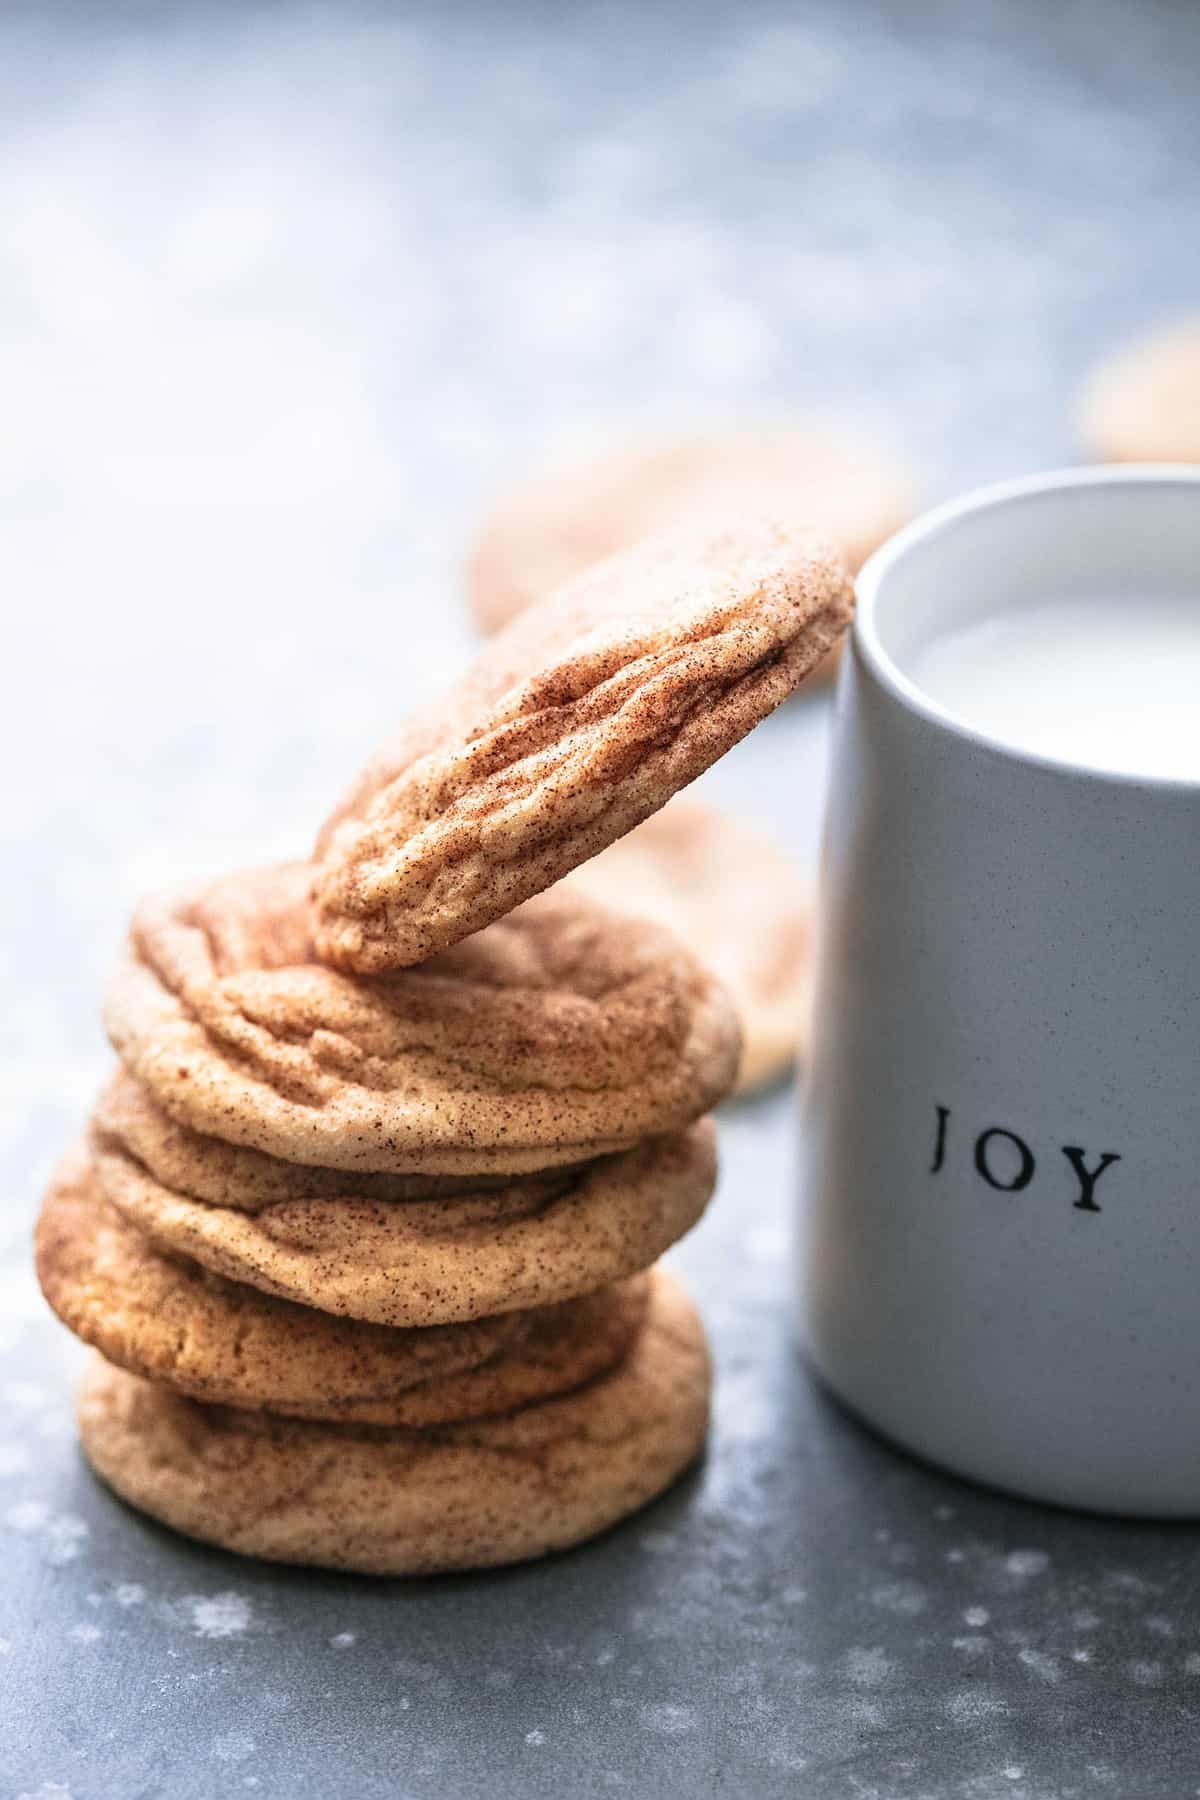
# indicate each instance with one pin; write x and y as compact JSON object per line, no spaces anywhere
{"x":1143,"y":405}
{"x":170,"y":1320}
{"x":399,"y":1502}
{"x":553,"y":526}
{"x":577,"y":723}
{"x":736,"y":901}
{"x":557,"y":1035}
{"x":537,"y":1241}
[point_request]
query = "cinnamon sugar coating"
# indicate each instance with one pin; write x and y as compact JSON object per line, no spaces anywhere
{"x":575,"y":725}
{"x":559,"y":1034}
{"x":537,"y":1240}
{"x":390,"y":1502}
{"x":168,"y":1319}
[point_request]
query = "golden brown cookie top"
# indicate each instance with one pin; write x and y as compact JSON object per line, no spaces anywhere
{"x":538,"y":1240}
{"x":561,"y":1033}
{"x":172,"y":1321}
{"x":576,"y":724}
{"x":552,"y":526}
{"x":1143,"y":405}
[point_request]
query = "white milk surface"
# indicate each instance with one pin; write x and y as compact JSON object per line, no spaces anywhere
{"x":1111,"y":683}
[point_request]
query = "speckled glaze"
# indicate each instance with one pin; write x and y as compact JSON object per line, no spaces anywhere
{"x":1000,"y":1244}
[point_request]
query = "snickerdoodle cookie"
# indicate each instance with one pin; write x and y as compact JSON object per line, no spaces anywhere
{"x":556,"y":1035}
{"x":168,"y":1319}
{"x":397,"y":1501}
{"x":575,"y":725}
{"x":537,"y":1240}
{"x":554,"y":525}
{"x":1143,"y":405}
{"x":127,"y":1117}
{"x":737,"y":901}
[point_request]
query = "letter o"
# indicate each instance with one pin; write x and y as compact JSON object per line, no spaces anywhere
{"x":1024,"y":1174}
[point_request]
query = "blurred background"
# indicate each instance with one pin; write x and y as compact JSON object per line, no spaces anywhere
{"x":288,"y":291}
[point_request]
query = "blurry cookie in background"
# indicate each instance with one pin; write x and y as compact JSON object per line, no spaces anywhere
{"x":554,"y":525}
{"x":738,"y":904}
{"x":1143,"y":405}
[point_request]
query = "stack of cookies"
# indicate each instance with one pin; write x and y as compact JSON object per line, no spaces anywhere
{"x":364,"y":1225}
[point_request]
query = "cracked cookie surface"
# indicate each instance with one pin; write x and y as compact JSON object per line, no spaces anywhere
{"x":735,"y":900}
{"x":391,"y":1502}
{"x":560,"y":1034}
{"x":536,"y":1241}
{"x":577,"y":723}
{"x":174,"y":1322}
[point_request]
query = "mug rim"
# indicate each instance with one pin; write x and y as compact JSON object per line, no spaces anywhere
{"x":907,"y":693}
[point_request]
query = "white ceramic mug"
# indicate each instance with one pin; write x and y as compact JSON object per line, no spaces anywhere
{"x":1000,"y":1215}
